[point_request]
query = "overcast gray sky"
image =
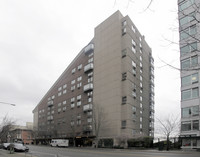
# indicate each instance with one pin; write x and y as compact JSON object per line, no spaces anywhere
{"x":39,"y":39}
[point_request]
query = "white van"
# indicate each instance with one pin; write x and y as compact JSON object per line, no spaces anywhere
{"x":59,"y":143}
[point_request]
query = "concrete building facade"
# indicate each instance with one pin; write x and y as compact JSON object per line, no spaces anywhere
{"x":189,"y":29}
{"x":107,"y":92}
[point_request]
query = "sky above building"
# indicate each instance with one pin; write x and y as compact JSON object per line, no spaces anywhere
{"x":40,"y":38}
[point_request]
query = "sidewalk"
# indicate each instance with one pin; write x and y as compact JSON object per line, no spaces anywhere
{"x":5,"y":153}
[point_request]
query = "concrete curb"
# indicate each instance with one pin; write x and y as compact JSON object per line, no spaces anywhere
{"x":6,"y":153}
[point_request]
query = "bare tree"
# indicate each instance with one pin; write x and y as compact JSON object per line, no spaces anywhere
{"x":169,"y":127}
{"x":73,"y":132}
{"x":98,"y":121}
{"x":5,"y":127}
{"x":132,"y":1}
{"x":188,"y":35}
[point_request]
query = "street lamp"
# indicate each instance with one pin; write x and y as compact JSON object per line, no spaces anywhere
{"x":7,"y":103}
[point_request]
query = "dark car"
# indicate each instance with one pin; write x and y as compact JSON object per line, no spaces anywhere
{"x":18,"y":147}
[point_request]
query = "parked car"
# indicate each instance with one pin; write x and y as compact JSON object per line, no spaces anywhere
{"x":1,"y":146}
{"x":18,"y":147}
{"x":5,"y":145}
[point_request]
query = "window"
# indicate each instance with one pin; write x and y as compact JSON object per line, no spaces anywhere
{"x":64,"y":102}
{"x":134,"y":94}
{"x":72,"y":123}
{"x":124,"y":100}
{"x":78,"y":122}
{"x":133,"y":29}
{"x":78,"y":97}
{"x":72,"y":105}
{"x":64,"y":86}
{"x":79,"y":85}
{"x":188,"y":48}
{"x":60,"y":88}
{"x":79,"y":78}
{"x":90,"y":60}
{"x":72,"y":88}
{"x":123,"y":76}
{"x":60,"y":93}
{"x":134,"y":72}
{"x":90,"y":74}
{"x":187,"y":19}
{"x":190,"y":93}
{"x":190,"y":111}
{"x":188,"y":32}
{"x":80,"y":67}
{"x":133,"y":49}
{"x":72,"y":99}
{"x":90,"y":79}
{"x":191,"y":79}
{"x":134,"y":109}
{"x":124,"y":52}
{"x":133,"y":64}
{"x":133,"y":43}
{"x":59,"y":110}
{"x":185,"y":4}
{"x":79,"y":103}
{"x":73,"y":81}
{"x":123,"y":124}
{"x":64,"y":91}
{"x":140,"y":98}
{"x":189,"y":62}
{"x":89,"y":120}
{"x":140,"y":78}
{"x":91,"y":54}
{"x":59,"y":104}
{"x":73,"y":70}
{"x":123,"y":31}
{"x":89,"y":99}
{"x":195,"y":125}
{"x":64,"y":109}
{"x":124,"y":23}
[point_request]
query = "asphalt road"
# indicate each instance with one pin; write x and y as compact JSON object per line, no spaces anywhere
{"x":45,"y":151}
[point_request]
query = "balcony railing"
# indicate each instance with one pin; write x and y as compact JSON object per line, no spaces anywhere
{"x":87,"y":128}
{"x":88,"y":87}
{"x":88,"y":67}
{"x":49,"y":118}
{"x":89,"y":48}
{"x":87,"y":107}
{"x":50,"y":103}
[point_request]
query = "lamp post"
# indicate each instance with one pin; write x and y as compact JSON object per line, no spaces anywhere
{"x":7,"y":103}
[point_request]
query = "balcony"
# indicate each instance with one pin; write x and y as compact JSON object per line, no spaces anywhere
{"x":50,"y":103}
{"x":88,"y":87}
{"x":87,"y":128}
{"x":89,"y":48}
{"x":49,"y":118}
{"x":88,"y":67}
{"x":87,"y":107}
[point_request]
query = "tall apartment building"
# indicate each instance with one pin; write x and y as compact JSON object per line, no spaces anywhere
{"x":189,"y":28}
{"x":109,"y":84}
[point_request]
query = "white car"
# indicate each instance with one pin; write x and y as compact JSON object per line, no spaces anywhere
{"x":18,"y":147}
{"x":5,"y":145}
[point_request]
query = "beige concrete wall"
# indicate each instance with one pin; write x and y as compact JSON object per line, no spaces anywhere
{"x":107,"y":73}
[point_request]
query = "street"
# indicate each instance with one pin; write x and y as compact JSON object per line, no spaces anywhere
{"x":45,"y":151}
